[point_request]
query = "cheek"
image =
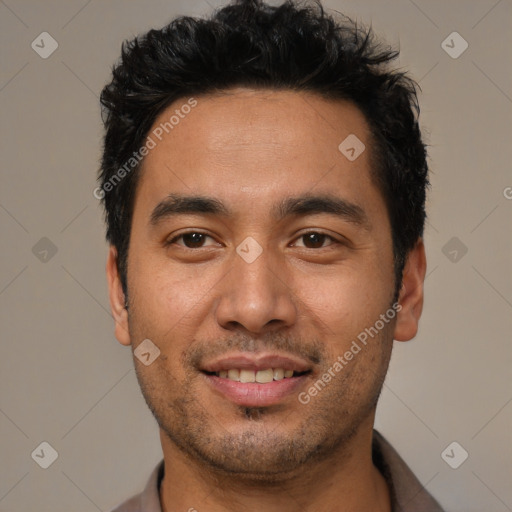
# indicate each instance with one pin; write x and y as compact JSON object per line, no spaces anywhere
{"x":345,"y":300}
{"x":166,"y":297}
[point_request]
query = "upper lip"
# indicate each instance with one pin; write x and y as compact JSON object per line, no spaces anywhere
{"x":256,"y":362}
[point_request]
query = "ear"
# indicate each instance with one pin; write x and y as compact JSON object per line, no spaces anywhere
{"x":117,"y":298}
{"x":411,"y":293}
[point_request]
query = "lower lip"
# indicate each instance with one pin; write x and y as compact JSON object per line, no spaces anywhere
{"x":252,"y":394}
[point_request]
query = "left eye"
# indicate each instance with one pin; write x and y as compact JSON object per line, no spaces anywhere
{"x":191,"y":240}
{"x":316,"y":239}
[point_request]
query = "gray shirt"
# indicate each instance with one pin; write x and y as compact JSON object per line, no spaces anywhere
{"x":407,"y":494}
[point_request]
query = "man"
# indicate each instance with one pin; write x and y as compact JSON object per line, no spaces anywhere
{"x":264,"y":183}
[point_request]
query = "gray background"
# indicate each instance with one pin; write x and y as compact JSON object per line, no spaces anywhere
{"x":66,"y":380}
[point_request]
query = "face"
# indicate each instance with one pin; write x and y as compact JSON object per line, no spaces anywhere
{"x":259,"y":251}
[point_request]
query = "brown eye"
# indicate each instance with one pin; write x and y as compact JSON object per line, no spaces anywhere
{"x":315,"y":240}
{"x":191,"y":240}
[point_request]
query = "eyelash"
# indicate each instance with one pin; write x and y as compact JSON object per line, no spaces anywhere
{"x":181,"y":235}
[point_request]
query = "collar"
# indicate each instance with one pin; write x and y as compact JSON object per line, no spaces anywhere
{"x":407,"y":493}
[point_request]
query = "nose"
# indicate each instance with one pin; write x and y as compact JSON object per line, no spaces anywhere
{"x":256,"y":296}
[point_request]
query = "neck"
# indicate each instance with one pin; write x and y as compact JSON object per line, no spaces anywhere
{"x":347,"y":481}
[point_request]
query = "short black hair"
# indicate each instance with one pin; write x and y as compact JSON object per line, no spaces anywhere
{"x":249,"y":43}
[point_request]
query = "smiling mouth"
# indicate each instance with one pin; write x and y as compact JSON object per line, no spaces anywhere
{"x":256,"y":376}
{"x":256,"y":379}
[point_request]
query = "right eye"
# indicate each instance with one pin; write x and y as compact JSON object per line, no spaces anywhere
{"x":191,"y":239}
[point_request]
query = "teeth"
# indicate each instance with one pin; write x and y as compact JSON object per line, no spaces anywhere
{"x":234,"y":375}
{"x":261,"y":376}
{"x":278,"y":373}
{"x":264,"y":376}
{"x":247,"y":376}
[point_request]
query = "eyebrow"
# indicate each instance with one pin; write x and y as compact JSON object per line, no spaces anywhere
{"x":176,"y":204}
{"x":307,"y":204}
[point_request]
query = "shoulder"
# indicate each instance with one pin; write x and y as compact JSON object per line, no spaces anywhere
{"x":407,"y":493}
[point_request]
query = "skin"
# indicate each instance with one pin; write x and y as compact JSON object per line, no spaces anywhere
{"x":250,"y":149}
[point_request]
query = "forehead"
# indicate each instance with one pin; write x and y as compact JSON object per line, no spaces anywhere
{"x":250,"y":146}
